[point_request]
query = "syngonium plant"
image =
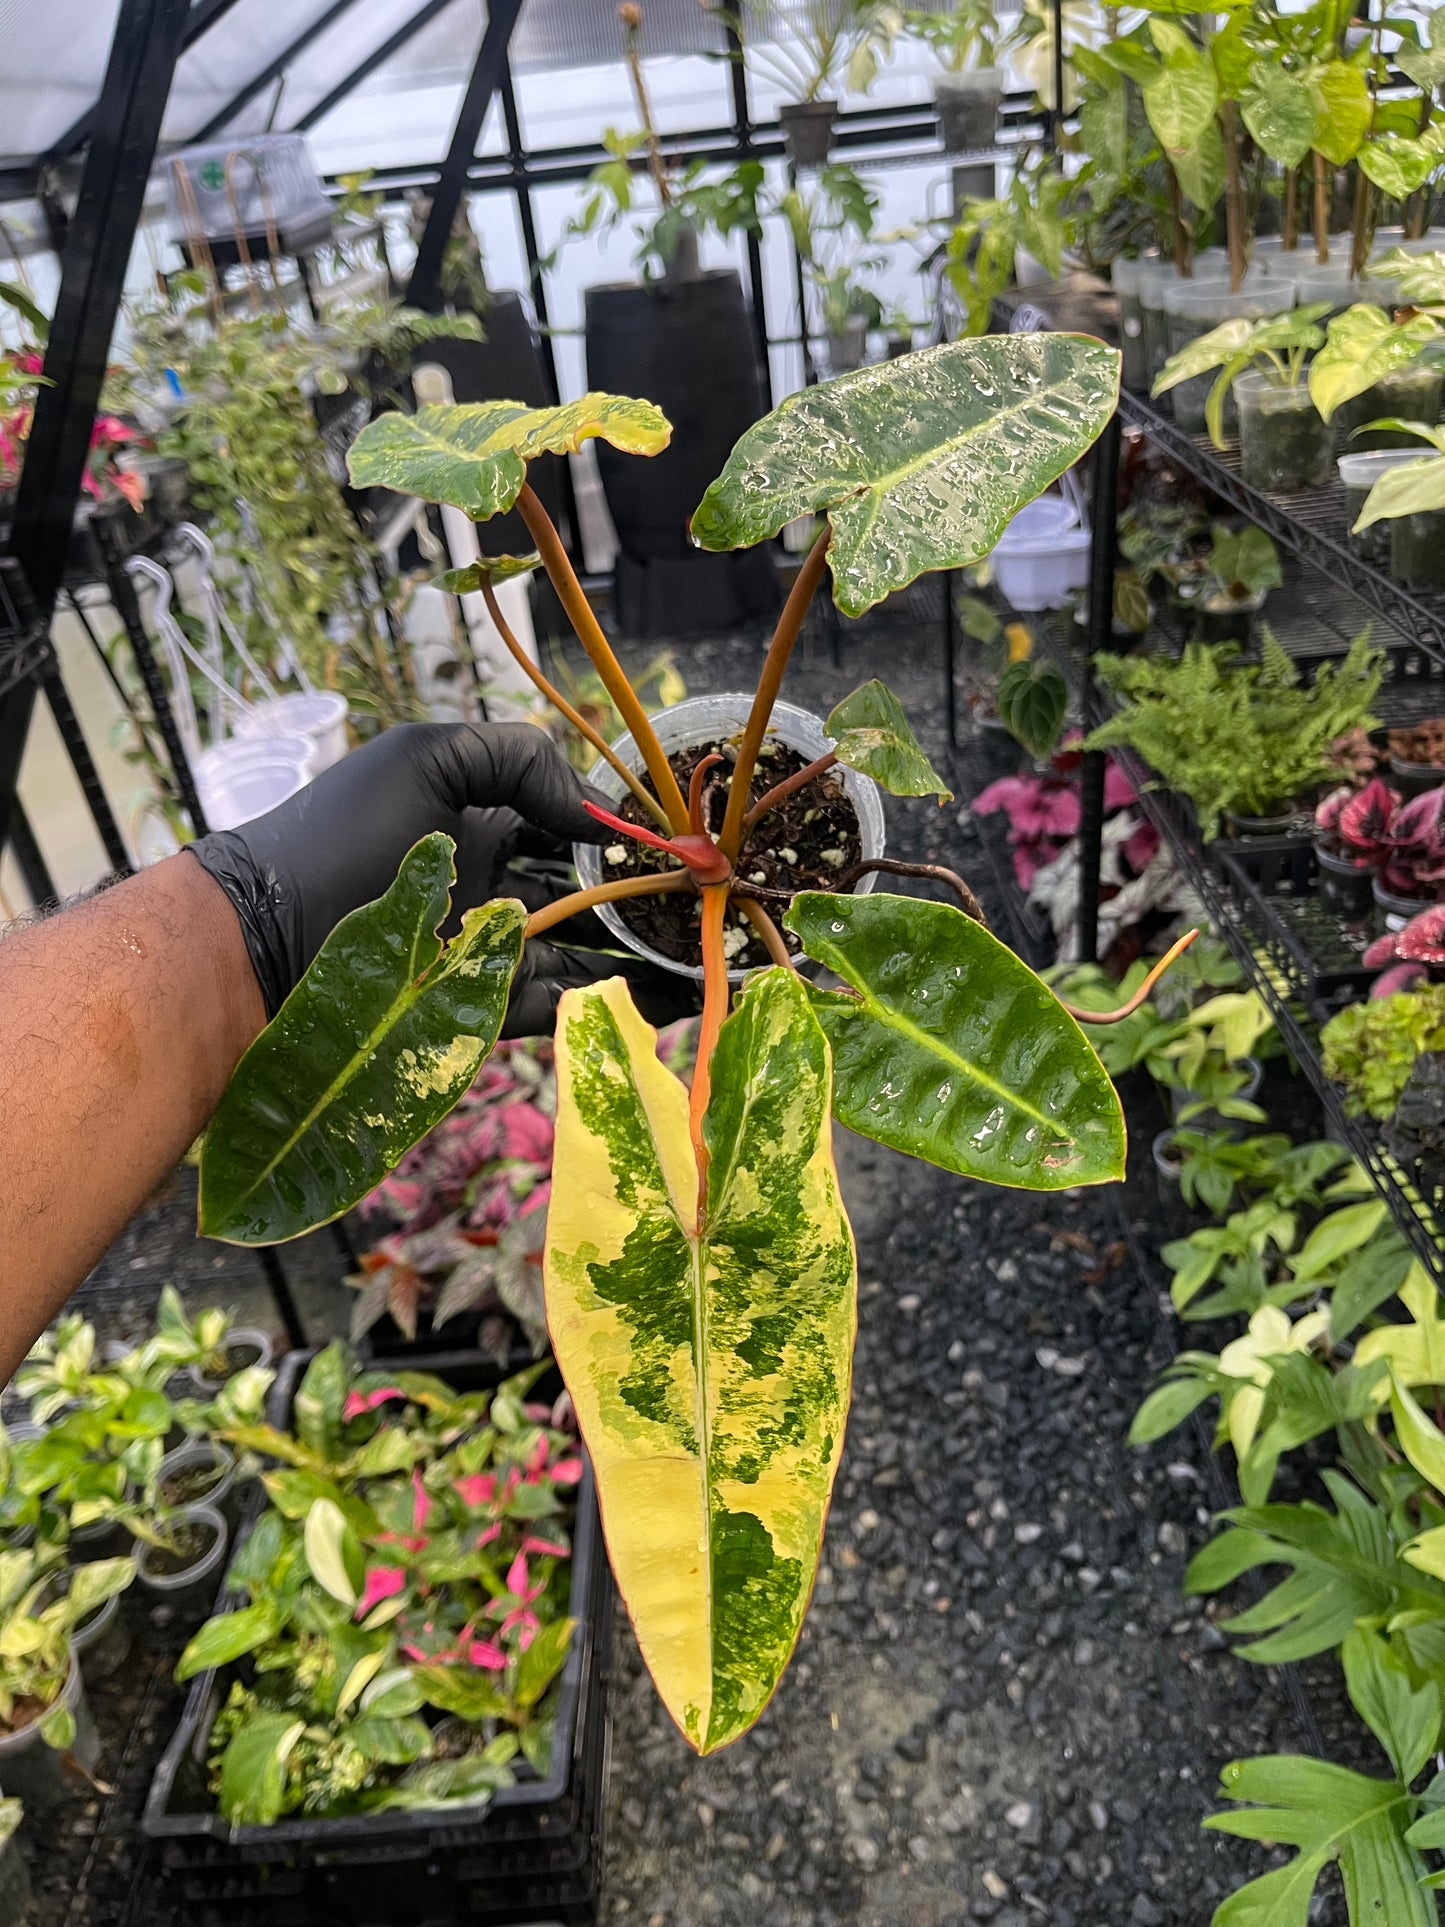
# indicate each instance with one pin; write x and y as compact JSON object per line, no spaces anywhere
{"x":700,"y":1272}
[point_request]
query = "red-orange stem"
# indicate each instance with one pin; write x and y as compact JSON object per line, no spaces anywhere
{"x":579,"y":900}
{"x":767,"y":930}
{"x":714,"y":1010}
{"x":701,"y":855}
{"x":1127,"y":1010}
{"x":790,"y":624}
{"x":770,"y":799}
{"x":694,"y":794}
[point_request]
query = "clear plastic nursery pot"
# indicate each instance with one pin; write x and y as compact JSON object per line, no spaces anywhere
{"x":1417,"y":549}
{"x":702,"y":719}
{"x":1358,"y":475}
{"x":1284,"y":444}
{"x":1410,"y":394}
{"x":1128,"y":276}
{"x":102,"y":1642}
{"x":318,"y":713}
{"x":200,"y":1473}
{"x":244,"y":1345}
{"x":968,"y":107}
{"x":1196,"y":308}
{"x":186,"y":1587}
{"x":31,"y":1770}
{"x":1334,"y":283}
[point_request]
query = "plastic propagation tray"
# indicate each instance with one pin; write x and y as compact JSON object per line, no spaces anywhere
{"x":1275,"y":881}
{"x":532,"y":1853}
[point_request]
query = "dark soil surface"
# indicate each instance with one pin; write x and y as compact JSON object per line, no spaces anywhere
{"x":190,"y":1485}
{"x":803,"y":843}
{"x":1002,"y":1709}
{"x":188,"y":1546}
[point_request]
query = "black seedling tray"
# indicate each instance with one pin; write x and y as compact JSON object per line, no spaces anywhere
{"x":536,"y":1840}
{"x":1275,"y":881}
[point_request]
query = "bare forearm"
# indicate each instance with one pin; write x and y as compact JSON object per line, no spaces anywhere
{"x":120,"y":1022}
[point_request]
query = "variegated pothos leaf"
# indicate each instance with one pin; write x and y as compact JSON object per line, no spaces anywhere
{"x":710,"y":1369}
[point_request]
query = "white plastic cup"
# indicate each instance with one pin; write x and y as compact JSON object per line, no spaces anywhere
{"x":241,"y":792}
{"x":321,"y":715}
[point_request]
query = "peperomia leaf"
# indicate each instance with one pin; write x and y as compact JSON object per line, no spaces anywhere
{"x":378,"y":1041}
{"x":253,"y":1770}
{"x":710,"y":1369}
{"x":489,"y":569}
{"x":918,"y":463}
{"x":1362,"y":346}
{"x":870,"y":733}
{"x":474,"y":455}
{"x":1329,"y":1813}
{"x":949,"y":1048}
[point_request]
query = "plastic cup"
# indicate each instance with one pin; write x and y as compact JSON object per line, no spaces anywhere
{"x":321,"y":715}
{"x":1195,"y":310}
{"x":240,"y":792}
{"x":1284,"y":445}
{"x":1358,"y":475}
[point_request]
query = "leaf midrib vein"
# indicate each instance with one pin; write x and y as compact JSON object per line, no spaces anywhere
{"x":894,"y":1020}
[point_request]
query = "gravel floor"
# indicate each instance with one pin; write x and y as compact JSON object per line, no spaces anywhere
{"x":1002,"y":1710}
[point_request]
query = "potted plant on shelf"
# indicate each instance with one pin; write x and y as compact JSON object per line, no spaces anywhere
{"x":698,"y":1179}
{"x":831,"y":225}
{"x":968,"y":89}
{"x":1241,"y":568}
{"x":1417,"y":755}
{"x":44,"y":1718}
{"x":1370,"y":1048}
{"x":805,"y":47}
{"x":1283,"y":441}
{"x":1351,"y":827}
{"x":1370,"y":366}
{"x":1410,"y":496}
{"x":14,"y":1874}
{"x":1242,"y":740}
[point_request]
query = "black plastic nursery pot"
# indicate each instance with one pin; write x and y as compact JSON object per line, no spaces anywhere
{"x":808,"y":130}
{"x":1343,"y":885}
{"x":531,"y":1852}
{"x":1413,"y":779}
{"x":689,"y":347}
{"x":1223,"y":619}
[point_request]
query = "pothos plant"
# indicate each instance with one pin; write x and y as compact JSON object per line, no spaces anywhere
{"x":699,"y":1271}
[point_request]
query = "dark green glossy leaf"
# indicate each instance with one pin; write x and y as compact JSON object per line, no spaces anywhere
{"x":953,"y":1050}
{"x":475,"y":455}
{"x":253,"y":1771}
{"x":489,"y":568}
{"x":918,"y":463}
{"x":378,"y":1041}
{"x":1032,"y":701}
{"x":871,"y":733}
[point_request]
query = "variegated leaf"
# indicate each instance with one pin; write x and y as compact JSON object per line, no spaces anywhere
{"x":710,"y":1368}
{"x":870,"y":733}
{"x":489,"y":569}
{"x":918,"y":463}
{"x":947,"y":1047}
{"x":382,"y":1036}
{"x":474,"y":455}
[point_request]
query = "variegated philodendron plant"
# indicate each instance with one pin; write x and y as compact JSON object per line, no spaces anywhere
{"x":700,"y":1271}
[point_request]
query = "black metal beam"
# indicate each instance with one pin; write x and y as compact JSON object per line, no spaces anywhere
{"x":424,"y":289}
{"x":34,"y":870}
{"x":377,"y":58}
{"x":143,"y":56}
{"x":1100,"y":636}
{"x":275,"y":71}
{"x":204,"y":15}
{"x":743,"y":133}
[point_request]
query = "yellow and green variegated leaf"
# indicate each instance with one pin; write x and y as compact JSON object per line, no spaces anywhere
{"x":1412,"y":488}
{"x":374,"y":1046}
{"x":489,"y":569}
{"x":869,"y":732}
{"x":1364,"y":345}
{"x":710,"y":1368}
{"x":918,"y":463}
{"x":1279,"y":113}
{"x":949,"y":1048}
{"x":1421,"y":277}
{"x":1341,"y":97}
{"x":1397,"y":164}
{"x":474,"y":455}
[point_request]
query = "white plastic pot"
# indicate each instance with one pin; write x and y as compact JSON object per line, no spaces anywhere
{"x":237,"y":790}
{"x":1042,"y":557}
{"x":319,"y":714}
{"x":698,"y":720}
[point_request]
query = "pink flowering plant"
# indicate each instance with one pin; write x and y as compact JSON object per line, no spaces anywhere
{"x":404,"y":1623}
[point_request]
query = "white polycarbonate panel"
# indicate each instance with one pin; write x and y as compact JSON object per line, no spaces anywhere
{"x":241,"y":46}
{"x":52,"y":61}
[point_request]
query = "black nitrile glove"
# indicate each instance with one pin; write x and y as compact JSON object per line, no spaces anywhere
{"x":500,"y":791}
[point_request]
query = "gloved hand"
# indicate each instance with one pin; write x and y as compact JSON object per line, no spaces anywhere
{"x":501,"y":791}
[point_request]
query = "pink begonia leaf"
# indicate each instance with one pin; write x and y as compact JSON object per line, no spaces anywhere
{"x":1419,"y":820}
{"x":482,"y":1652}
{"x":538,"y":1199}
{"x":478,"y":1488}
{"x":1401,"y":976}
{"x":1381,"y":952}
{"x":359,"y":1402}
{"x":382,"y":1582}
{"x":527,"y":1133}
{"x":130,"y":483}
{"x":537,"y":1457}
{"x":566,"y":1472}
{"x":420,"y":1502}
{"x":533,"y":1544}
{"x":1029,"y":858}
{"x":1004,"y":793}
{"x":1327,"y":811}
{"x":1141,"y":848}
{"x":1119,"y":792}
{"x":1367,"y":820}
{"x":1423,"y":938}
{"x":539,"y":1414}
